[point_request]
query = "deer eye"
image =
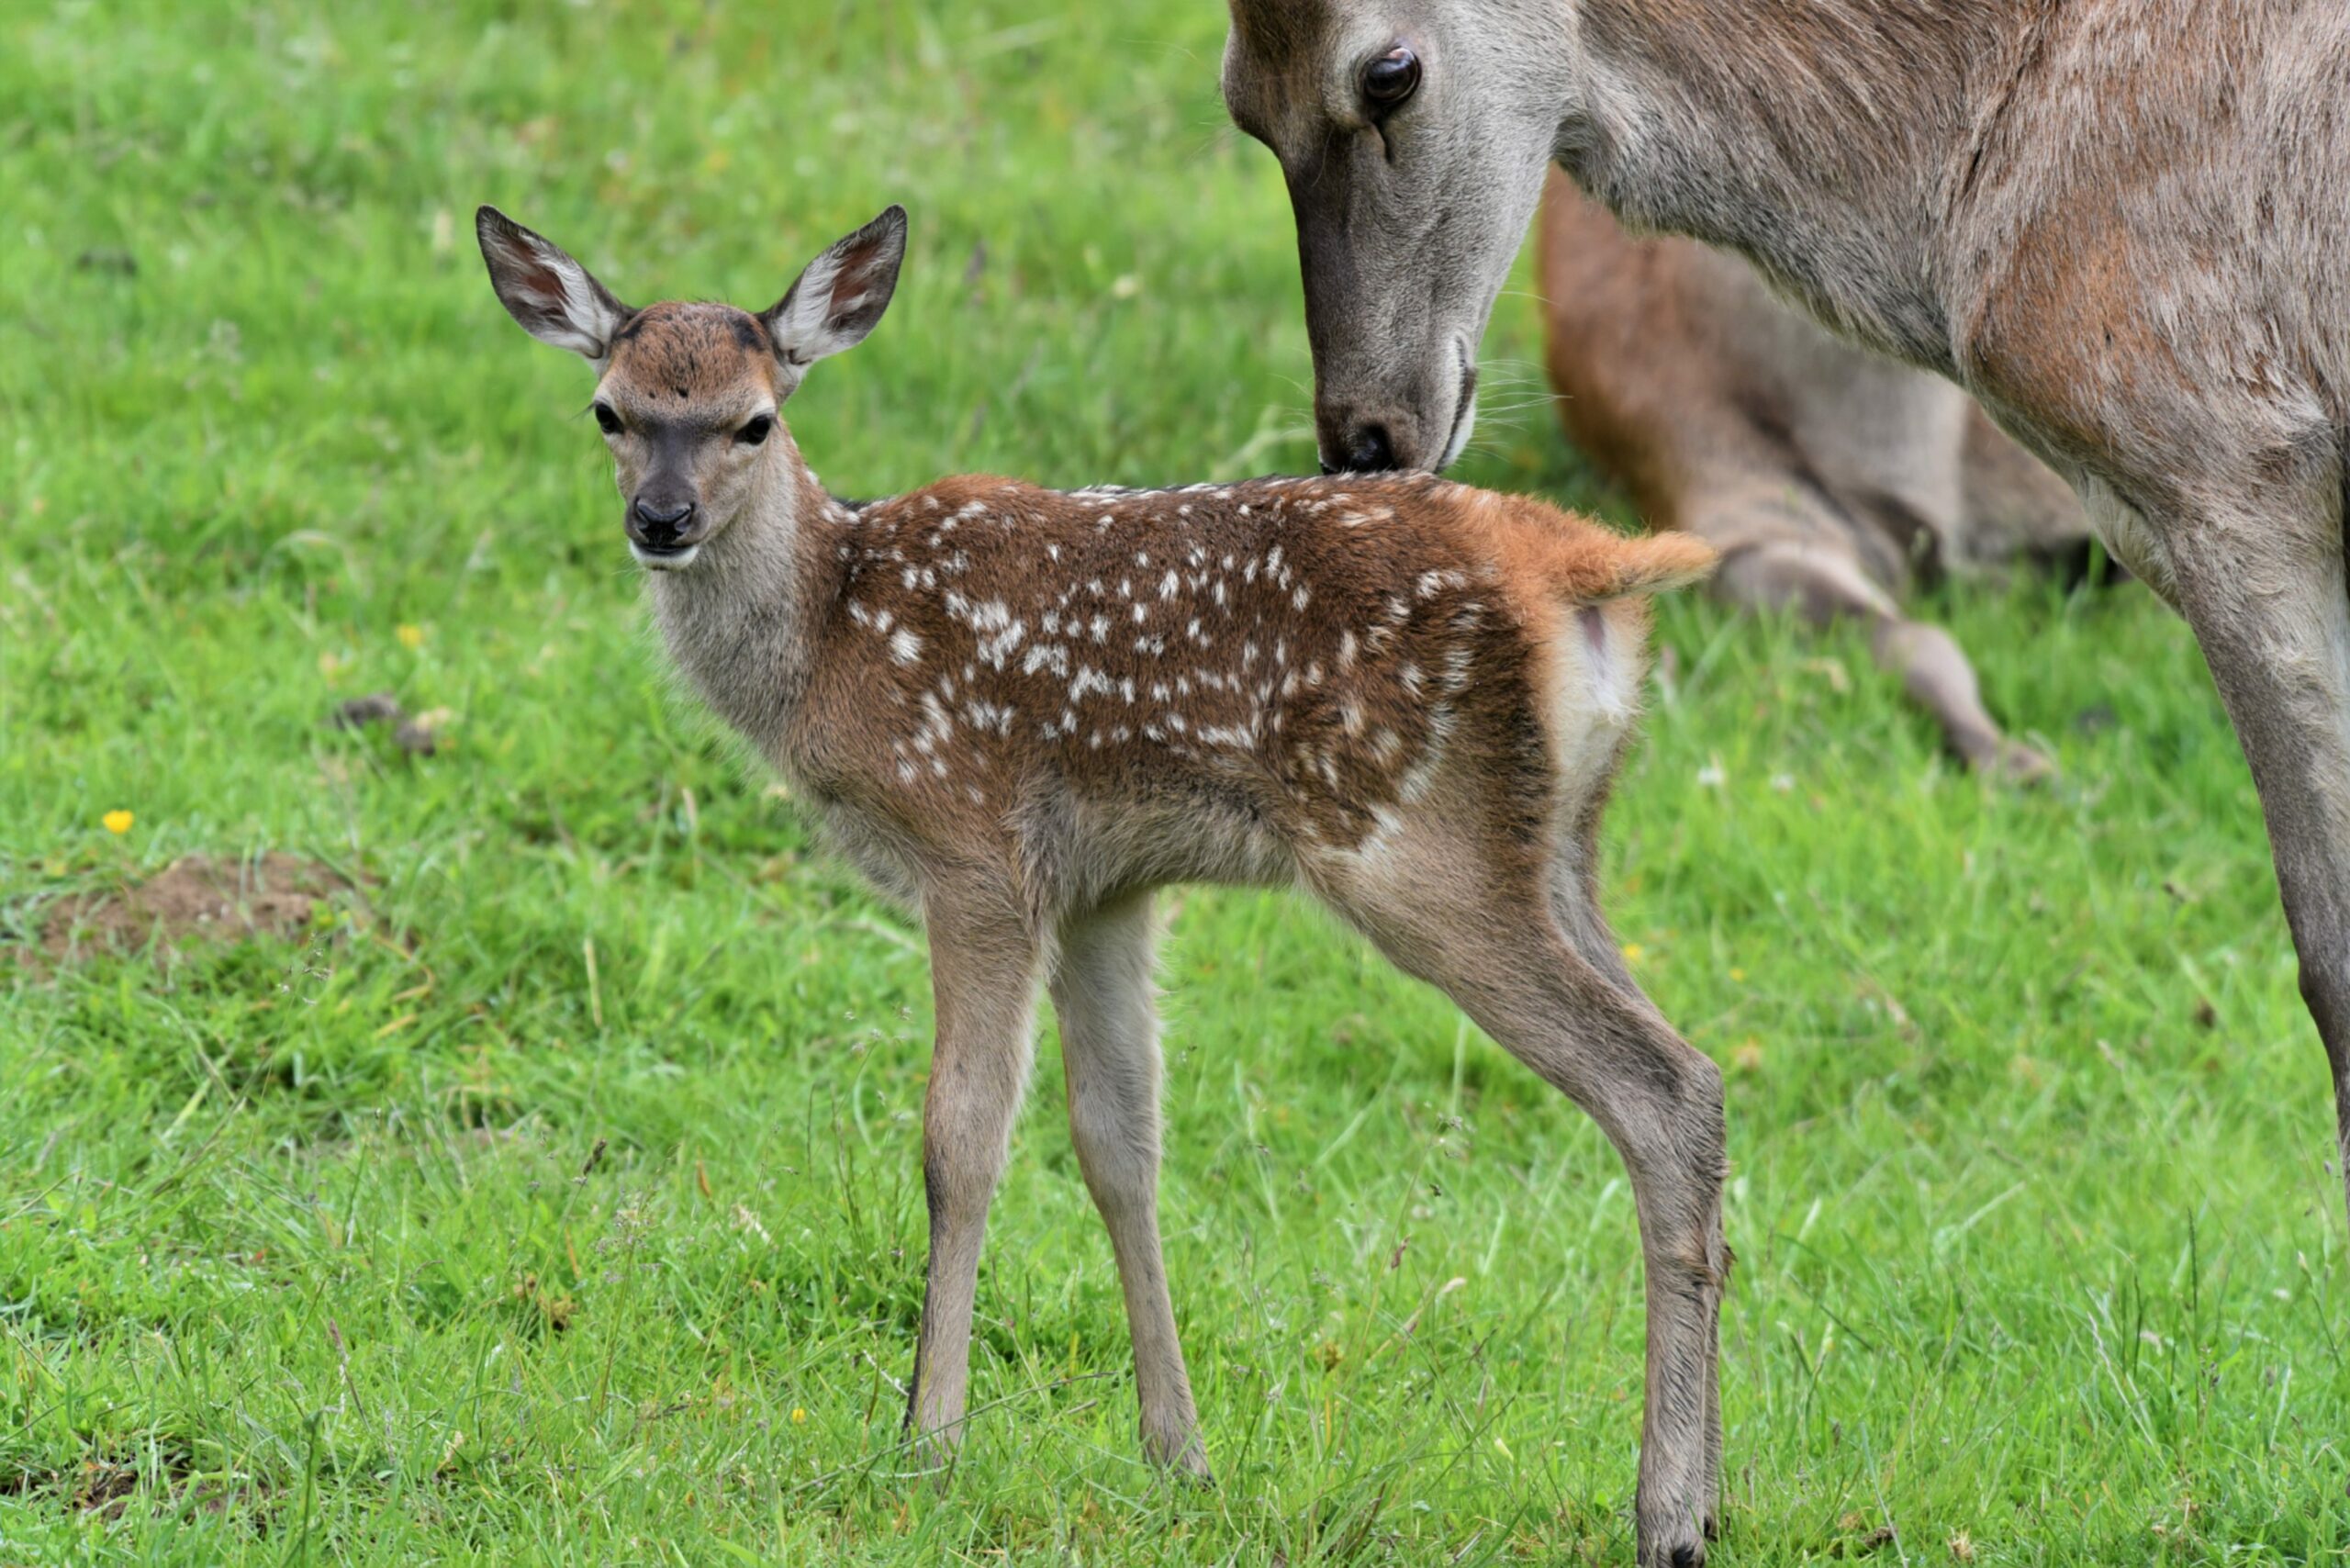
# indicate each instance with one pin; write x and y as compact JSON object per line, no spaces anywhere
{"x":754,"y":430}
{"x":608,"y":421}
{"x":1391,"y":78}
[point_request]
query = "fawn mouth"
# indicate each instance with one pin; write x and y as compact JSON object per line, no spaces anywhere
{"x":673,"y":560}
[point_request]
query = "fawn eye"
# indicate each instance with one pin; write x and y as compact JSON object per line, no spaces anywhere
{"x":754,"y":430}
{"x":1391,"y":78}
{"x":607,"y":421}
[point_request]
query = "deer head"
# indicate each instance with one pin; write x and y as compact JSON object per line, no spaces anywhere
{"x":688,"y":394}
{"x":1413,"y":135}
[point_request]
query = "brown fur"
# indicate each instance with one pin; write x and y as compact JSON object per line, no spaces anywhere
{"x":1272,"y":661}
{"x":707,"y":357}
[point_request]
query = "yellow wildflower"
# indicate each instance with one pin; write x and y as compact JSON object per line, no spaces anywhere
{"x":799,"y":1416}
{"x":411,"y":637}
{"x":118,"y":821}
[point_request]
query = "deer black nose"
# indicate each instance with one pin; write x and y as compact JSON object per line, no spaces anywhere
{"x":657,"y":524}
{"x":1369,"y":450}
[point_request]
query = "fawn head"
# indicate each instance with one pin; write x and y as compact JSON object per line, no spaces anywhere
{"x":687,"y":394}
{"x":1413,"y":136}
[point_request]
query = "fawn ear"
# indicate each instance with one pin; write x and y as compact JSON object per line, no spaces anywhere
{"x":840,"y":295}
{"x":556,"y":301}
{"x":1652,"y":563}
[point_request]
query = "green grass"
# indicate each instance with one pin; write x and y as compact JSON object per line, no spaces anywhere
{"x":303,"y":1252}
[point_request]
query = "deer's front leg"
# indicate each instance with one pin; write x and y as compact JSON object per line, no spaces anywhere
{"x":983,"y":975}
{"x":1102,"y":992}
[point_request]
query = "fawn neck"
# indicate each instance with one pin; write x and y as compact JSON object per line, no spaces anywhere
{"x":1828,"y":142}
{"x":737,"y":621}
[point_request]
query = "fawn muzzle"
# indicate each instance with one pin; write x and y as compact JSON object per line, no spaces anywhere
{"x":665,"y":531}
{"x":664,"y":525}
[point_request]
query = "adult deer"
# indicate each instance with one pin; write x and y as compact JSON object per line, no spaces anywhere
{"x":2123,"y":225}
{"x":1832,"y":480}
{"x":1022,"y":711}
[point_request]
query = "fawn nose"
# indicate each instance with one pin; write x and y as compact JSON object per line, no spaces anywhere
{"x":659,"y":525}
{"x":1368,"y":449}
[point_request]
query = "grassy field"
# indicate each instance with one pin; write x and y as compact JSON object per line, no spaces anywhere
{"x":306,"y":1250}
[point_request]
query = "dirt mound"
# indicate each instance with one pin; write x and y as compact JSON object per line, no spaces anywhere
{"x":196,"y":898}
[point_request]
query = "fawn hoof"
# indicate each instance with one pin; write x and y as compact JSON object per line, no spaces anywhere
{"x":1681,"y":1544}
{"x":1182,"y":1458}
{"x":932,"y":1458}
{"x":1686,"y":1552}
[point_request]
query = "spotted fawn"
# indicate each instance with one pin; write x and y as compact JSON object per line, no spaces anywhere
{"x":1021,"y":711}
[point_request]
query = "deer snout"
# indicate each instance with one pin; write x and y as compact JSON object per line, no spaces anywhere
{"x":1364,"y":427}
{"x":659,"y":524}
{"x":1358,"y":448}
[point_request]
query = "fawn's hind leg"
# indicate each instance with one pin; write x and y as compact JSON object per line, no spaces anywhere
{"x":1574,"y":905}
{"x":1102,"y":993}
{"x":1486,"y":939}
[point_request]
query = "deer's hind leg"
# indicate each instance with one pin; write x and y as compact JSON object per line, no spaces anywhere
{"x":1101,"y":994}
{"x":1574,"y":905}
{"x":1441,"y":911}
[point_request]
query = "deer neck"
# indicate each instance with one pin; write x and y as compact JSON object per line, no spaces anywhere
{"x":736,"y":621}
{"x":1828,"y":141}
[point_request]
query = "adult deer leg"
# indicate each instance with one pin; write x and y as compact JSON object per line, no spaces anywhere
{"x":2268,"y":602}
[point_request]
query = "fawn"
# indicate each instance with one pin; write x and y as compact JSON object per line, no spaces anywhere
{"x":1023,"y":710}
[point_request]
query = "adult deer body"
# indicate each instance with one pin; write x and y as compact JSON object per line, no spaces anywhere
{"x":2123,"y":225}
{"x":1022,"y":711}
{"x":1832,"y":481}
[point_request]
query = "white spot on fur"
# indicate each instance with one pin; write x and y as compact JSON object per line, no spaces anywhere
{"x":1046,"y":656}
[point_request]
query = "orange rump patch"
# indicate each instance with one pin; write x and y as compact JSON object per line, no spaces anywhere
{"x":1545,"y":549}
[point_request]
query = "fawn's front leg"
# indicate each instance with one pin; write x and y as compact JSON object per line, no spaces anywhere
{"x":1101,"y":994}
{"x":983,"y":976}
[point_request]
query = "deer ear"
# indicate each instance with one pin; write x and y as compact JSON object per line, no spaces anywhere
{"x":841,"y":294}
{"x":556,"y":301}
